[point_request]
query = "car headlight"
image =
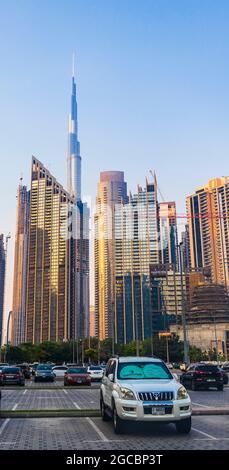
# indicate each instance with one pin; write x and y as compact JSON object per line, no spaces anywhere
{"x":182,"y":393}
{"x":127,"y":394}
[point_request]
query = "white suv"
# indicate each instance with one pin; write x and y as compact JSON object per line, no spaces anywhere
{"x":143,"y":389}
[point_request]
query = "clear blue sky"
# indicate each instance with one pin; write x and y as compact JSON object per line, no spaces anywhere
{"x":153,"y":92}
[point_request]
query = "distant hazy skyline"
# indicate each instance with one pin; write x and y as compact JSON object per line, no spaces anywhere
{"x":152,"y":91}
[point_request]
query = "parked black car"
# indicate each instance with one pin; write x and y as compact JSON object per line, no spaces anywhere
{"x":44,"y":373}
{"x":2,"y":365}
{"x":225,"y":378}
{"x":25,"y":370}
{"x":202,"y":376}
{"x":12,"y":375}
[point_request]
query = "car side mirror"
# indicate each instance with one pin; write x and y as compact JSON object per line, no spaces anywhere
{"x":175,"y":376}
{"x":111,"y":377}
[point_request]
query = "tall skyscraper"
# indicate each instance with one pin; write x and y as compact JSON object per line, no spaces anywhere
{"x":74,"y":158}
{"x":112,"y":190}
{"x":81,"y":225}
{"x":137,"y":246}
{"x":168,"y":232}
{"x":207,"y":211}
{"x":185,"y":248}
{"x":20,"y":266}
{"x":50,"y":305}
{"x":2,"y":282}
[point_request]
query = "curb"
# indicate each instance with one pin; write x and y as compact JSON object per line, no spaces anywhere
{"x":75,"y":413}
{"x":77,"y":387}
{"x":210,"y":411}
{"x":92,"y":413}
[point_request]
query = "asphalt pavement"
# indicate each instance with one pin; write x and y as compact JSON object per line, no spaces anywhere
{"x":208,"y":433}
{"x":76,"y":433}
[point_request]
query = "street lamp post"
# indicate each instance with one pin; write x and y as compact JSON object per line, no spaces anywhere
{"x":216,"y":341}
{"x":136,"y":334}
{"x":113,"y":329}
{"x":184,"y":325}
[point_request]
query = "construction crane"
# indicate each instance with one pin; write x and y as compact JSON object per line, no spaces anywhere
{"x":153,"y":174}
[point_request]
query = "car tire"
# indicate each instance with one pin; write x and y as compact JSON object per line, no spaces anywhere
{"x":118,"y":423}
{"x":193,"y":386}
{"x":104,"y":414}
{"x":184,"y":426}
{"x":220,"y":388}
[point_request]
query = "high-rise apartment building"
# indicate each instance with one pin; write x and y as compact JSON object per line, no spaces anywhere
{"x":2,"y":282}
{"x":168,"y":291}
{"x":137,"y":246}
{"x":168,"y":232}
{"x":207,"y":211}
{"x":185,"y":248}
{"x":112,"y":190}
{"x":20,"y":266}
{"x":50,"y":305}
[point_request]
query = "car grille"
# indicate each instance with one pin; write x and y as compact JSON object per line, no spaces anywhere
{"x":155,"y":396}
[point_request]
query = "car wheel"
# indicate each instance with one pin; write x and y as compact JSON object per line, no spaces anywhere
{"x":184,"y":426}
{"x":194,"y":387}
{"x":220,"y":388}
{"x":104,"y":414}
{"x":118,"y":423}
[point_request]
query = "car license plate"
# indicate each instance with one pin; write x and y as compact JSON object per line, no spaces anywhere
{"x":158,"y":410}
{"x":210,"y":380}
{"x":10,"y":376}
{"x":79,"y":381}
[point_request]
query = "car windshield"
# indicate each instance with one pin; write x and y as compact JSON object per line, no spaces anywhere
{"x":143,"y":370}
{"x":80,"y":370}
{"x":11,"y":370}
{"x":44,"y":367}
{"x":95,"y":368}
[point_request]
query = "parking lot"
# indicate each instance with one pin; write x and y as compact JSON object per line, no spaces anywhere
{"x":48,"y":396}
{"x":208,"y":432}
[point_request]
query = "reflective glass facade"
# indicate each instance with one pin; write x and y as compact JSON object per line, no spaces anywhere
{"x":2,"y":282}
{"x":207,"y":211}
{"x":20,"y":266}
{"x":137,"y":245}
{"x":50,"y":303}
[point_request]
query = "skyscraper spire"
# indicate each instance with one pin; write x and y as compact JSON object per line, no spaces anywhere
{"x":74,"y":158}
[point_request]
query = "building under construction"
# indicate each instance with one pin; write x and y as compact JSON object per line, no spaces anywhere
{"x":209,"y":304}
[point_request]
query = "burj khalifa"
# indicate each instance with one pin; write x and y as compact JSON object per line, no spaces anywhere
{"x":80,"y":263}
{"x":74,"y":158}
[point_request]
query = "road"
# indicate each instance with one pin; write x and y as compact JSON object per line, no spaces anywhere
{"x":74,"y":433}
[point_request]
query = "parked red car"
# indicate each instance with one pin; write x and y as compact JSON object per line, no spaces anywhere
{"x":77,"y":376}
